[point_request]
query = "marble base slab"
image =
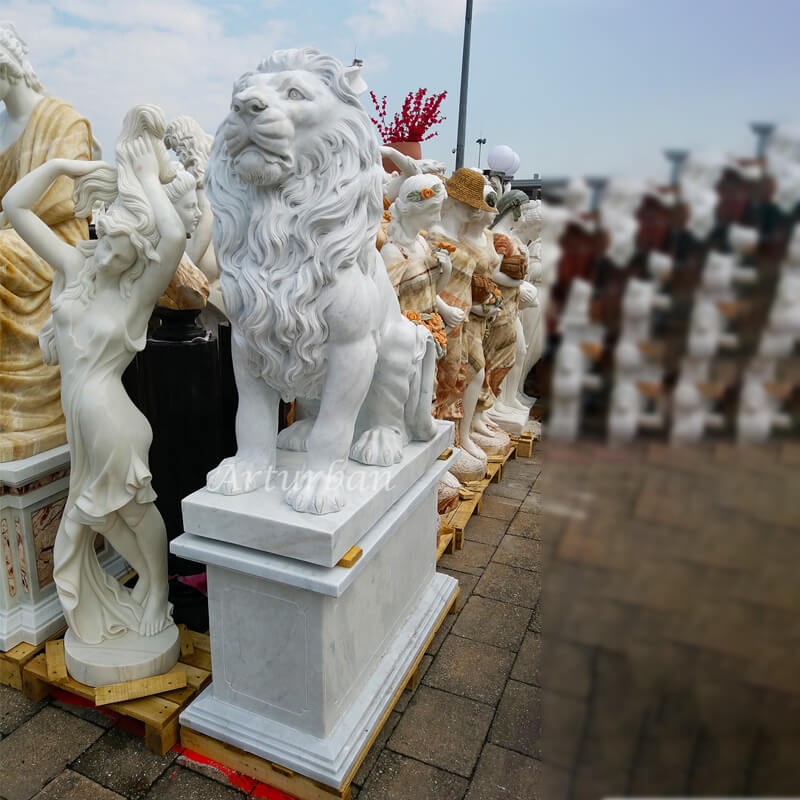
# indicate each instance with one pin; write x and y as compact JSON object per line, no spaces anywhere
{"x":262,"y":520}
{"x":125,"y":658}
{"x":307,"y":658}
{"x":510,"y":420}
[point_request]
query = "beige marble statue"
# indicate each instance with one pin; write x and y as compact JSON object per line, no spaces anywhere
{"x":34,"y":128}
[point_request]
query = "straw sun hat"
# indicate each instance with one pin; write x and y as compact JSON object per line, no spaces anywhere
{"x":467,"y":186}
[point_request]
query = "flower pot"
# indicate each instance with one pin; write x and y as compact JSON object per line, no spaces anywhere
{"x":413,"y":149}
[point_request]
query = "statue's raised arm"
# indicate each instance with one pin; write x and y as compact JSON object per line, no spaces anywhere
{"x":20,"y":200}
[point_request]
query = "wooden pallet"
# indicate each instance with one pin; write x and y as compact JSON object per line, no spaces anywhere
{"x":158,"y":711}
{"x":524,"y":444}
{"x":446,"y":540}
{"x":13,"y":661}
{"x":286,"y":780}
{"x":472,"y":496}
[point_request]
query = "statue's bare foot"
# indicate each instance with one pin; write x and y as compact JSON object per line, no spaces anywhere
{"x":139,"y":592}
{"x":470,"y":447}
{"x":316,"y":492}
{"x":238,"y":475}
{"x":155,"y":617}
{"x":295,"y":437}
{"x":379,"y":447}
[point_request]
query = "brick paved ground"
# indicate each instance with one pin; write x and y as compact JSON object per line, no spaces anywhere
{"x":663,"y":659}
{"x":471,"y":729}
{"x":671,"y":654}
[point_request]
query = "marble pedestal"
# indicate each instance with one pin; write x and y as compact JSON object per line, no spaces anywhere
{"x":511,"y":420}
{"x":33,"y":494}
{"x":307,"y":656}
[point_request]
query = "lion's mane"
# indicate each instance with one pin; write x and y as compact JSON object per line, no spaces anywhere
{"x":278,"y":247}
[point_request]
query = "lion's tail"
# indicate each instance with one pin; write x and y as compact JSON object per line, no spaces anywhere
{"x":418,"y":417}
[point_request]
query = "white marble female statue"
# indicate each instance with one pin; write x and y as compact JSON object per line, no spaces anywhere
{"x":192,"y":145}
{"x":505,"y":347}
{"x":103,"y":295}
{"x":542,"y":227}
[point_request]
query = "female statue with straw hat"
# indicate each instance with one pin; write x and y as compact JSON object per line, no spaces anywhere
{"x":468,"y":209}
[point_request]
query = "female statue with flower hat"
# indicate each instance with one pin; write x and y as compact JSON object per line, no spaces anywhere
{"x":418,"y":272}
{"x":466,"y":213}
{"x":34,"y":128}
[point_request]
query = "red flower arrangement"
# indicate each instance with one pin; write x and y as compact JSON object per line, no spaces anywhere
{"x":411,"y":124}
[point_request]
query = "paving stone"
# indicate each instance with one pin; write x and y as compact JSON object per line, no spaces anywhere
{"x":120,"y":761}
{"x":242,"y":782}
{"x":563,"y":666}
{"x":40,"y":749}
{"x":536,"y":619}
{"x":178,"y":783}
{"x":466,"y":583}
{"x":443,"y":729}
{"x":492,"y":622}
{"x":519,"y":552}
{"x":374,"y":752}
{"x":499,"y":507}
{"x":15,"y":709}
{"x":398,"y":778}
{"x":662,"y":766}
{"x":512,"y":487}
{"x":472,"y":558}
{"x":533,"y":503}
{"x":104,"y":718}
{"x":529,"y":659}
{"x":441,"y":634}
{"x":518,"y":722}
{"x":485,"y":530}
{"x":510,"y":585}
{"x":526,"y":524}
{"x":553,"y":783}
{"x":70,"y":785}
{"x":504,"y":774}
{"x":564,"y":720}
{"x":471,"y":669}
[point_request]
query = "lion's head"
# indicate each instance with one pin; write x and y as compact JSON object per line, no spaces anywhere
{"x":294,"y":181}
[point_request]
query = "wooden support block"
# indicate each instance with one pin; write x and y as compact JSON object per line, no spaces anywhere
{"x":350,"y":557}
{"x":413,"y":680}
{"x":35,"y":687}
{"x":161,"y":740}
{"x":187,"y":644}
{"x":446,"y":454}
{"x":56,"y":666}
{"x":144,"y":687}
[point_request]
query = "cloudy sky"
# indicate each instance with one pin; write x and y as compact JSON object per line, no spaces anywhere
{"x":575,"y":86}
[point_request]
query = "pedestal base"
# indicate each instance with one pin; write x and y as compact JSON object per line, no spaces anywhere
{"x":126,"y":658}
{"x":511,"y":420}
{"x":329,"y":760}
{"x":307,"y":658}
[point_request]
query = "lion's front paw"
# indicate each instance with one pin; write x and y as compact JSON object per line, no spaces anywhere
{"x":378,"y":447}
{"x":295,"y":437}
{"x":316,"y":492}
{"x":237,"y":475}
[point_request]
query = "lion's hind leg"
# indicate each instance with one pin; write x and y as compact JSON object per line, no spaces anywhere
{"x":383,"y":415}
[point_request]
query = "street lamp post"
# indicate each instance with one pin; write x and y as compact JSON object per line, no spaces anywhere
{"x":462,"y":103}
{"x":480,"y":143}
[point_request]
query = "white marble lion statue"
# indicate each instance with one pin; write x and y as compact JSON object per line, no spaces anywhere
{"x":294,"y":181}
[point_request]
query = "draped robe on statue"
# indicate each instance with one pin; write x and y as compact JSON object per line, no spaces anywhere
{"x":30,"y":398}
